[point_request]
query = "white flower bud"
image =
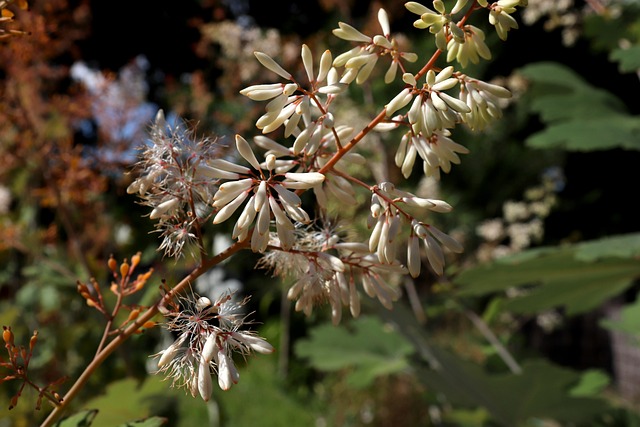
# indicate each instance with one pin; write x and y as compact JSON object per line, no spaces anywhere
{"x":272,"y":65}
{"x":413,"y":256}
{"x":310,"y":178}
{"x":205,"y":386}
{"x":246,"y":152}
{"x":164,"y":207}
{"x":347,"y":32}
{"x":307,"y":61}
{"x":256,"y":343}
{"x":383,"y":19}
{"x":169,"y":353}
{"x":209,"y":348}
{"x":325,"y":65}
{"x":224,"y":213}
{"x":399,"y":101}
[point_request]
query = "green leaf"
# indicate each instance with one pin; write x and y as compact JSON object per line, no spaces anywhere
{"x":80,"y":419}
{"x":592,"y":382}
{"x":622,"y":246}
{"x":629,"y":321}
{"x":579,"y":116}
{"x":578,"y":277}
{"x":542,"y":390}
{"x":370,"y":349}
{"x":130,"y":399}
{"x":596,"y":133}
{"x":147,"y":422}
{"x":629,"y":58}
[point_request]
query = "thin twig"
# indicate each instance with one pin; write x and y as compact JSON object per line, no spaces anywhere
{"x":494,"y":341}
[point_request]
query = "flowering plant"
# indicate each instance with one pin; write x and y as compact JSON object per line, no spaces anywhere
{"x":280,"y":188}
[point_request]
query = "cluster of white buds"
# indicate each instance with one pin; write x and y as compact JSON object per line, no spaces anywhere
{"x":483,"y":100}
{"x":389,"y":210}
{"x":468,"y":46}
{"x":433,"y":112}
{"x":438,"y":22}
{"x":327,"y":270}
{"x":437,"y":152}
{"x":267,"y":193}
{"x":464,"y":42}
{"x":174,"y":183}
{"x":361,"y":60}
{"x":207,"y":336}
{"x":500,"y":15}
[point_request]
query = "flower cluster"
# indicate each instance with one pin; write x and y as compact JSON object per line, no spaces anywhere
{"x":389,"y":209}
{"x":361,"y":60}
{"x":185,"y":182}
{"x":433,"y":112}
{"x":175,"y":183}
{"x":326,"y":269}
{"x":208,"y":333}
{"x":464,"y":42}
{"x":268,"y":193}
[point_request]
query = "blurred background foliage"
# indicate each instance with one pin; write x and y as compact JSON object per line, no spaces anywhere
{"x":536,"y":324}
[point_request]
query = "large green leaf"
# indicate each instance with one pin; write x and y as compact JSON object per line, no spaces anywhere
{"x":578,"y":116}
{"x":578,"y":277}
{"x":542,"y":390}
{"x":370,"y":349}
{"x":129,"y":399}
{"x":621,"y":246}
{"x":592,"y":133}
{"x":80,"y":419}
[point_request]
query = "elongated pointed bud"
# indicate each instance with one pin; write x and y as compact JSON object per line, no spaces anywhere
{"x":272,"y":65}
{"x":124,"y":268}
{"x":307,"y":61}
{"x":135,"y":260}
{"x":7,"y":335}
{"x":33,"y":341}
{"x":112,"y":263}
{"x":133,"y":315}
{"x":205,"y":384}
{"x":245,"y":151}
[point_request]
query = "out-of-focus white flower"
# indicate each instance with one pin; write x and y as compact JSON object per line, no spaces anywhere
{"x":491,"y":230}
{"x":5,"y":199}
{"x":208,"y":333}
{"x":515,"y":211}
